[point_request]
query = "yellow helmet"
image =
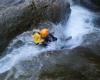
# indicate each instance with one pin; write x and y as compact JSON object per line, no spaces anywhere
{"x":37,"y":38}
{"x":44,"y":32}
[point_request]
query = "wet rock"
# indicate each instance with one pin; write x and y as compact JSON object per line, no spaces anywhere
{"x":78,"y":64}
{"x":3,"y":76}
{"x":53,"y":10}
{"x":96,"y":21}
{"x":17,"y":16}
{"x":13,"y":19}
{"x":92,"y":41}
{"x":93,"y":5}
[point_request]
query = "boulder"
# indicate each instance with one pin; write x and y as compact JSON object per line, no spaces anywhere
{"x":93,"y":5}
{"x":77,"y":64}
{"x":17,"y":16}
{"x":80,"y":63}
{"x":52,"y":10}
{"x":92,"y":41}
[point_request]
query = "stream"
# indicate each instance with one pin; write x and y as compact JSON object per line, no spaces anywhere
{"x":22,"y":47}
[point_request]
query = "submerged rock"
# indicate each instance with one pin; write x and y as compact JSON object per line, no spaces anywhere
{"x":17,"y":16}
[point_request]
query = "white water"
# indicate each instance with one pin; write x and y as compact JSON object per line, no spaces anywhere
{"x":78,"y":25}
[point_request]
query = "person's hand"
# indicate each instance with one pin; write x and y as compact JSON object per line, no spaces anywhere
{"x":42,"y":40}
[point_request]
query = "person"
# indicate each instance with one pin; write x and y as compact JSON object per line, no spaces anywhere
{"x":43,"y":37}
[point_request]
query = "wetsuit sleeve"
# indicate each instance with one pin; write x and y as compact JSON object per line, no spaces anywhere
{"x":51,"y":38}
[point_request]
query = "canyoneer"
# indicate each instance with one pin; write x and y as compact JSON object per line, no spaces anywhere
{"x":43,"y":37}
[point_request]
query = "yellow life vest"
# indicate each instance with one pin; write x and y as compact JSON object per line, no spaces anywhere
{"x":37,"y":39}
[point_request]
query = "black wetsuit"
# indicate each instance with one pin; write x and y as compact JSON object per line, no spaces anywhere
{"x":48,"y":39}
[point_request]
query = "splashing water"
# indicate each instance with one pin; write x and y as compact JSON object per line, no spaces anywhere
{"x":22,"y":47}
{"x":79,"y":24}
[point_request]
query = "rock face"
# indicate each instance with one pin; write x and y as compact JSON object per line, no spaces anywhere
{"x":93,"y":5}
{"x":16,"y":16}
{"x":13,"y":19}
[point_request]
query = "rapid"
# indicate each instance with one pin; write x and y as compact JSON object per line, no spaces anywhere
{"x":22,"y":47}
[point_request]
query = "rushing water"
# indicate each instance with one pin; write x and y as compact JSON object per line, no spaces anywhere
{"x":79,"y":24}
{"x":22,"y":47}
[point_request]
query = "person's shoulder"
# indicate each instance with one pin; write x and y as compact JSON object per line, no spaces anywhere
{"x":51,"y":35}
{"x":35,"y":31}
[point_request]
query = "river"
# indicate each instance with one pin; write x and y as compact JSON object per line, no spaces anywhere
{"x":22,"y":48}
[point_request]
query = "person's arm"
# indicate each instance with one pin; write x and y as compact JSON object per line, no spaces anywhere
{"x":51,"y":38}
